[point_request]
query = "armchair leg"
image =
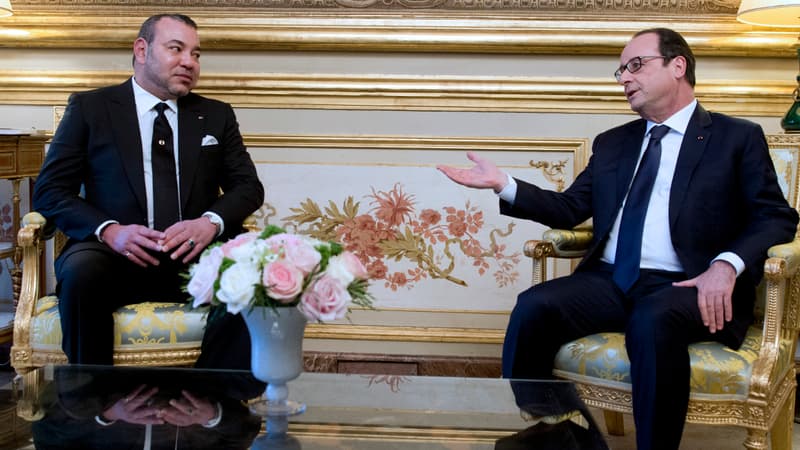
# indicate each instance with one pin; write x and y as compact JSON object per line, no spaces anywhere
{"x":780,"y":435}
{"x":756,"y":440}
{"x":614,"y":423}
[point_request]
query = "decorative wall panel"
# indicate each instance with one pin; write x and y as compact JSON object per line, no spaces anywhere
{"x":431,"y":246}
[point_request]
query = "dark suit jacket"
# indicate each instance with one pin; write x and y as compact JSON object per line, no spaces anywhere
{"x":724,"y":197}
{"x":98,"y":147}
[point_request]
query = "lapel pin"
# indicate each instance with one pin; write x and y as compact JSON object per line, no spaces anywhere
{"x":200,"y":117}
{"x":699,"y":138}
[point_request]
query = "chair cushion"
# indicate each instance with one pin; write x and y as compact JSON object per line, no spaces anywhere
{"x":142,"y":326}
{"x":716,"y":369}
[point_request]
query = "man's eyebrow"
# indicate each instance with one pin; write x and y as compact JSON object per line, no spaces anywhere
{"x":182,"y":44}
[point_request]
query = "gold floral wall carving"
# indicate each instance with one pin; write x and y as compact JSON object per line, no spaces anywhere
{"x":650,"y":6}
{"x":574,"y":27}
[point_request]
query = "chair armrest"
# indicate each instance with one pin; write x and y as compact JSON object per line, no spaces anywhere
{"x":557,"y":243}
{"x":780,"y":315}
{"x":28,"y":239}
{"x":789,"y":254}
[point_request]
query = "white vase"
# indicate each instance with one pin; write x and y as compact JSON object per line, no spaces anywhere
{"x":276,"y":337}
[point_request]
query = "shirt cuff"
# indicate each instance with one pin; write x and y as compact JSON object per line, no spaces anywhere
{"x":216,"y":220}
{"x":509,"y":193}
{"x":217,"y":419}
{"x":733,"y":259}
{"x":105,"y":423}
{"x":99,"y":231}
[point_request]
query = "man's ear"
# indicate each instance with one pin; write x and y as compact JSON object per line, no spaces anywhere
{"x":678,"y":64}
{"x":140,"y":50}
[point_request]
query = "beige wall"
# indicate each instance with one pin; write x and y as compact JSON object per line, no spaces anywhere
{"x":303,"y":81}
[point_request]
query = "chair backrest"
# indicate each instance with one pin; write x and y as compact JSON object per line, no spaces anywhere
{"x":785,"y":152}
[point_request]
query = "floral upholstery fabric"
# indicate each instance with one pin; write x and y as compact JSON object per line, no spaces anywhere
{"x":716,"y":369}
{"x":136,"y":327}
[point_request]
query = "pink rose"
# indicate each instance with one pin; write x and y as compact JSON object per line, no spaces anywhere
{"x":303,"y":255}
{"x":282,"y":280}
{"x":325,"y":299}
{"x":354,"y":265}
{"x":238,"y":241}
{"x":204,"y":273}
{"x":296,"y":250}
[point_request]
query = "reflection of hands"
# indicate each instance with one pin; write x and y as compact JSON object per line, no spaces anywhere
{"x":137,"y":407}
{"x":189,"y":410}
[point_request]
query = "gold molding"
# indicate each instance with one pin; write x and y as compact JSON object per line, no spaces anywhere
{"x":468,"y":26}
{"x":408,"y":92}
{"x":405,"y":334}
{"x":418,"y":434}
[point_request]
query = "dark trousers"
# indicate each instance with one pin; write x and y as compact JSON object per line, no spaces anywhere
{"x":659,"y":322}
{"x":94,"y":281}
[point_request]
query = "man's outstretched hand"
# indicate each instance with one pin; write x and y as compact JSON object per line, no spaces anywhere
{"x":483,"y":175}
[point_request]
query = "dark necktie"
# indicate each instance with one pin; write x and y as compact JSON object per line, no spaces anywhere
{"x":629,"y":240}
{"x":165,"y":184}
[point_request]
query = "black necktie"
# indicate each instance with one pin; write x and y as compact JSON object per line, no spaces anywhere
{"x":629,"y":240}
{"x":165,"y":184}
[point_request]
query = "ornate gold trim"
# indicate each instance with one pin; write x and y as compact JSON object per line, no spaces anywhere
{"x":256,"y":6}
{"x":397,"y":433}
{"x":482,"y":26}
{"x":411,"y":92}
{"x":405,"y":334}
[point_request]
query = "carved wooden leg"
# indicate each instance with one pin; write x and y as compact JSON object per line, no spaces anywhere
{"x":780,"y":435}
{"x":614,"y":423}
{"x":756,"y":440}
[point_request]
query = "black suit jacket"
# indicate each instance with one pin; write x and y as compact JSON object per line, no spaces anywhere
{"x":97,"y":148}
{"x":724,"y":197}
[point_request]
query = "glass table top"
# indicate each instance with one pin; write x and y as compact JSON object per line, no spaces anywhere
{"x":343,"y":411}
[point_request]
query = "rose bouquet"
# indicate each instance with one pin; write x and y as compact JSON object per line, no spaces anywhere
{"x":278,"y":269}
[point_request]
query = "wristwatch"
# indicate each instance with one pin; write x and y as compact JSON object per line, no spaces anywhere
{"x":216,"y":220}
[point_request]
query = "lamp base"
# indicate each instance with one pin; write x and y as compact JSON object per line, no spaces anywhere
{"x":791,"y":121}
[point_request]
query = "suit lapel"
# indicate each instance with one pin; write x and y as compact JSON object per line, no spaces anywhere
{"x":631,"y":146}
{"x":122,"y":114}
{"x":191,"y":125}
{"x":694,"y":144}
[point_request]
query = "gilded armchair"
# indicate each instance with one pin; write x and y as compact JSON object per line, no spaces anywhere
{"x":753,"y":387}
{"x":151,"y":334}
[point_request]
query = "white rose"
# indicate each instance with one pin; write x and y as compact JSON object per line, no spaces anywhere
{"x":338,"y":268}
{"x":237,"y":286}
{"x":249,"y":253}
{"x":204,"y":274}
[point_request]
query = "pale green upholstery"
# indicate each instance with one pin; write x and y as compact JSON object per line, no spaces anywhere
{"x":143,"y":327}
{"x":716,"y":369}
{"x":154,"y":334}
{"x":753,"y":387}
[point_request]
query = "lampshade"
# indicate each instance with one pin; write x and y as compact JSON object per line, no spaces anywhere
{"x":5,"y":8}
{"x":774,"y":13}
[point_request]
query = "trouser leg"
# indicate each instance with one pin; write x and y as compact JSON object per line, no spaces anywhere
{"x":663,"y":323}
{"x":557,"y":311}
{"x":93,"y":282}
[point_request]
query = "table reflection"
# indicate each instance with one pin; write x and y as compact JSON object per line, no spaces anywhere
{"x":88,"y":407}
